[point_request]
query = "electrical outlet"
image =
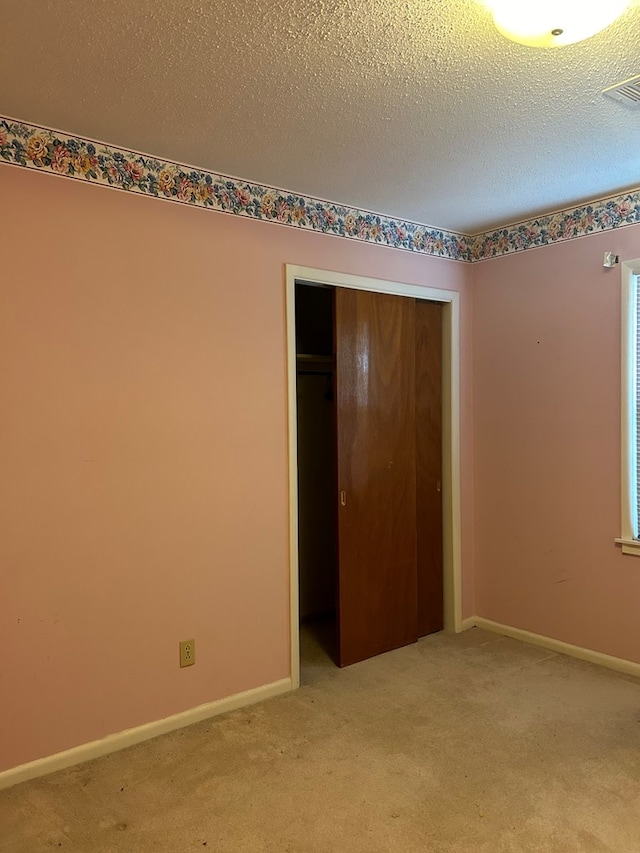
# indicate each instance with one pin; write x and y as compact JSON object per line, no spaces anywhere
{"x":187,"y":652}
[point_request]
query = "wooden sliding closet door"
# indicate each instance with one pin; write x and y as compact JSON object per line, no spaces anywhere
{"x":429,"y":465}
{"x":376,"y":440}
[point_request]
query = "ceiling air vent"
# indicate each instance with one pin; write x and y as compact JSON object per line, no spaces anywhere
{"x":627,"y":92}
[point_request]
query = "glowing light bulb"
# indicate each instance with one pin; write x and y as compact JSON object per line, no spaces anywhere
{"x":554,"y":23}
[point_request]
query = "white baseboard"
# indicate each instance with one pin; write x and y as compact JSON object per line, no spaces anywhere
{"x":129,"y":737}
{"x":619,"y":664}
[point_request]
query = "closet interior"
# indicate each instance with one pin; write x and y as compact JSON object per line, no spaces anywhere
{"x":317,"y":522}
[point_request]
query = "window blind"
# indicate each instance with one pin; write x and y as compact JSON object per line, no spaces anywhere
{"x":636,"y":388}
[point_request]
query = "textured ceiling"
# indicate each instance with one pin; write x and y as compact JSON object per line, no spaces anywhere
{"x":413,"y":108}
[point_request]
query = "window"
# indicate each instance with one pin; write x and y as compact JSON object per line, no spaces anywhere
{"x":630,"y":538}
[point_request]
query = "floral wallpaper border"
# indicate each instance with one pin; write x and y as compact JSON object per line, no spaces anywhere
{"x":588,"y":218}
{"x":73,"y":157}
{"x":58,"y":153}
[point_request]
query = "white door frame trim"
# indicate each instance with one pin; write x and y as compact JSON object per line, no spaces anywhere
{"x":451,"y":492}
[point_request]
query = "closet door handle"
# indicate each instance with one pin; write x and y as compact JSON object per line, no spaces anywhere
{"x":343,"y":498}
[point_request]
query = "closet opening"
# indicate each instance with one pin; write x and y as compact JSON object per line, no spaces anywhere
{"x":362,"y":349}
{"x":369,"y":449}
{"x":316,"y":449}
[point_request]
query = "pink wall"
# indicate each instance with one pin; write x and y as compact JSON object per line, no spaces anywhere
{"x":546,"y":356}
{"x":144,"y":456}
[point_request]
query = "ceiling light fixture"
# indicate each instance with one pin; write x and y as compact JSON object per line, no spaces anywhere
{"x":554,"y":23}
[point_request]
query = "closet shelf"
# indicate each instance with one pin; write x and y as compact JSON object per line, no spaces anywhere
{"x":304,"y":356}
{"x":309,"y":363}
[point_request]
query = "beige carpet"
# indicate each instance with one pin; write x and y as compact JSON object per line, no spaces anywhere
{"x":459,"y":743}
